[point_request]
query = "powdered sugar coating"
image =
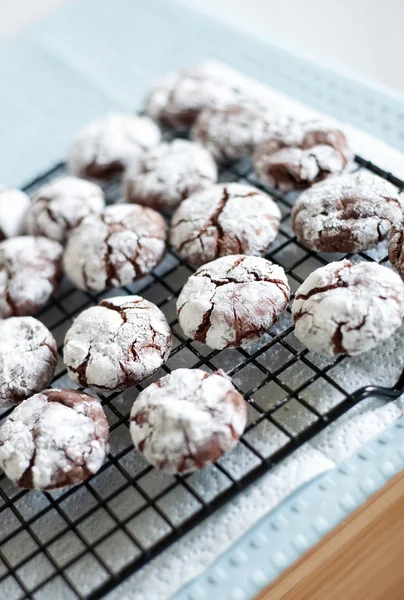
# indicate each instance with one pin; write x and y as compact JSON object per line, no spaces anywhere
{"x":232,"y":301}
{"x":30,"y":270}
{"x":106,"y":146}
{"x":115,"y":248}
{"x":60,"y":206}
{"x":53,"y":439}
{"x":28,"y":355}
{"x":178,"y":98}
{"x":396,"y":248}
{"x":13,"y":206}
{"x":346,"y":214}
{"x":229,"y":218}
{"x":301,"y":154}
{"x":187,"y":419}
{"x":346,"y":308}
{"x":234,"y":131}
{"x":116,"y":344}
{"x":169,"y":173}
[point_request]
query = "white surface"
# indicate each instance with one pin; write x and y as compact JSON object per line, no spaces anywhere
{"x":358,"y":35}
{"x":362,"y":35}
{"x":15,"y":15}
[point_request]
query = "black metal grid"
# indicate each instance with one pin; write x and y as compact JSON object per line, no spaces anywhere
{"x":82,"y":542}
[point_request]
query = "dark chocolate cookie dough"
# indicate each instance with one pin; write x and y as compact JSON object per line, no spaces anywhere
{"x":396,"y":248}
{"x":30,"y":270}
{"x":301,"y":154}
{"x":347,"y":308}
{"x":228,"y":218}
{"x":115,"y":345}
{"x":56,"y":438}
{"x":28,"y":355}
{"x":232,"y":301}
{"x":349,"y":213}
{"x":169,"y":173}
{"x":177,"y":99}
{"x":115,"y":248}
{"x":187,"y":419}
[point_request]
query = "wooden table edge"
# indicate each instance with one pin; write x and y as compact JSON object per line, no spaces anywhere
{"x":361,"y":559}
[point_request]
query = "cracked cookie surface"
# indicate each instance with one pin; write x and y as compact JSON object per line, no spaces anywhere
{"x":115,"y":248}
{"x":232,"y":301}
{"x":56,"y":438}
{"x":187,"y":419}
{"x":30,"y":270}
{"x":396,"y":248}
{"x":346,"y":308}
{"x":229,"y":218}
{"x":301,"y":154}
{"x":349,"y":213}
{"x":167,"y":174}
{"x":104,"y":148}
{"x":60,"y":206}
{"x":116,"y":344}
{"x":179,"y":97}
{"x":13,"y":206}
{"x":28,"y":356}
{"x":233,"y":132}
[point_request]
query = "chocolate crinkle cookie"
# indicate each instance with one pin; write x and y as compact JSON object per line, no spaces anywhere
{"x":169,"y":173}
{"x":104,"y":148}
{"x":30,"y":270}
{"x":56,"y":438}
{"x":229,"y":218}
{"x":349,"y":213}
{"x":115,"y":248}
{"x":233,"y":132}
{"x":187,"y":420}
{"x":396,"y":248}
{"x":116,"y":344}
{"x":301,"y":154}
{"x":13,"y":206}
{"x":60,"y":206}
{"x":28,"y":356}
{"x":177,"y":99}
{"x":232,"y":301}
{"x":346,"y":308}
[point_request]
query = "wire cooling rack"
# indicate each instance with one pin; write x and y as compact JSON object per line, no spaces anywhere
{"x":82,"y":542}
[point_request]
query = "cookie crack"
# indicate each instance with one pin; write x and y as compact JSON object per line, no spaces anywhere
{"x":8,"y":297}
{"x":359,"y":326}
{"x":53,"y":218}
{"x":82,"y":368}
{"x":27,"y":478}
{"x":204,"y":325}
{"x":380,"y":235}
{"x":397,"y":247}
{"x":242,"y":334}
{"x":110,"y":268}
{"x":321,"y":168}
{"x":116,"y":308}
{"x":332,"y":286}
{"x":190,"y":455}
{"x":319,"y":290}
{"x":278,"y":282}
{"x":337,"y":339}
{"x":213,"y":221}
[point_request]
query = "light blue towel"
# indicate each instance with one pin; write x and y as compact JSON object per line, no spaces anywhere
{"x":95,"y":55}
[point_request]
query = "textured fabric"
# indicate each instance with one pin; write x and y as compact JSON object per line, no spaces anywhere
{"x":92,"y":56}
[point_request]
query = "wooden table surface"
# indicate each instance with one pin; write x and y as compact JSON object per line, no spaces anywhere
{"x":362,"y":559}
